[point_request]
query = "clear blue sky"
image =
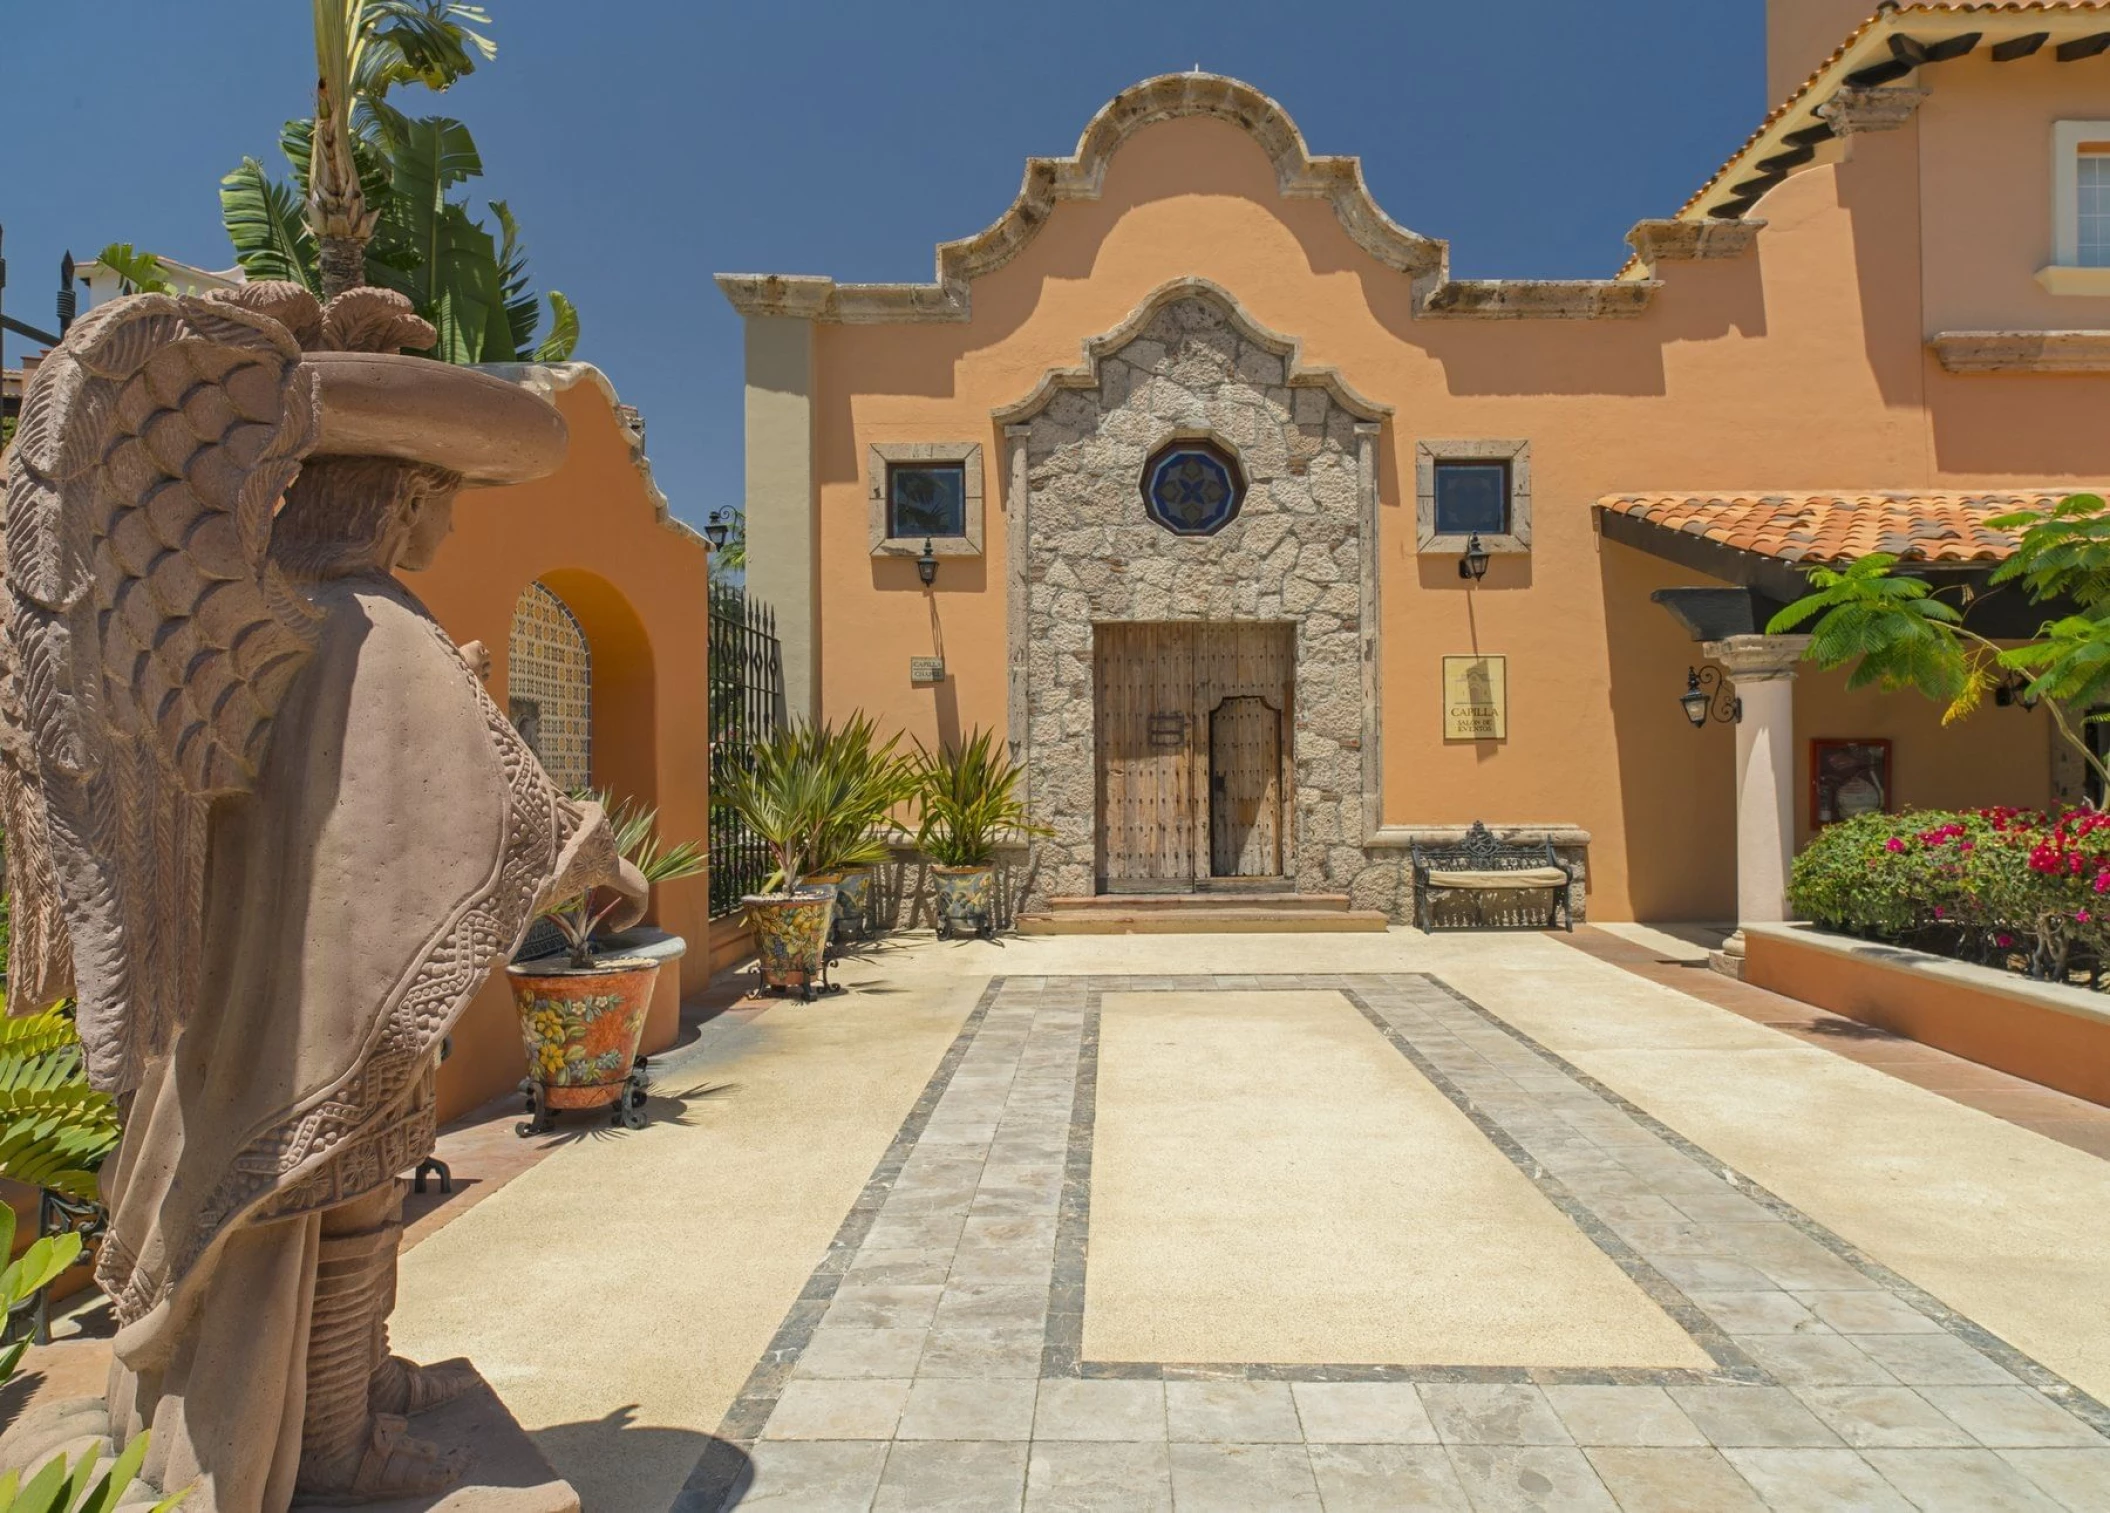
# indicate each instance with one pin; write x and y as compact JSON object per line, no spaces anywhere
{"x":647,"y":145}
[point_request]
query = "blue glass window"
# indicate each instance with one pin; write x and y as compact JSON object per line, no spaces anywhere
{"x":927,"y":499}
{"x":1472,"y":498}
{"x":1193,"y":488}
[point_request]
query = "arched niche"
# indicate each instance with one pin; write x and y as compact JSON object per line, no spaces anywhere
{"x":624,"y":707}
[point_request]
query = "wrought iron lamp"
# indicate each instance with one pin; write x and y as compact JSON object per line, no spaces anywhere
{"x":1708,"y":697}
{"x":2014,"y":690}
{"x":927,"y":564}
{"x":1473,"y":564}
{"x":717,"y":530}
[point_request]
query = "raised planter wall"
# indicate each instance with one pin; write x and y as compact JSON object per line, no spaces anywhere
{"x":2049,"y":1033}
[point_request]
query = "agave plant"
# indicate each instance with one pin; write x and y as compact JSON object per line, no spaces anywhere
{"x":865,"y":781}
{"x":55,"y":1130}
{"x":637,"y":839}
{"x":968,"y":798}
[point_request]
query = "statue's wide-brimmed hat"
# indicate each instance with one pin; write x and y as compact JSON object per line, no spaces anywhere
{"x":383,"y":404}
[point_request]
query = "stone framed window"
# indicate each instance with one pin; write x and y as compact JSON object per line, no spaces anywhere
{"x":1468,"y":488}
{"x":2080,"y":209}
{"x":924,"y":491}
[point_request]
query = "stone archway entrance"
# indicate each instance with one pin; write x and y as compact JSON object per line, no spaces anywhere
{"x":1193,"y":754}
{"x":1194,"y":607}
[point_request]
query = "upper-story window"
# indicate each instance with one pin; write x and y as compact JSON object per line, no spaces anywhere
{"x":2092,"y":204}
{"x":926,"y":499}
{"x":1472,"y":498}
{"x":2080,"y":209}
{"x":925,"y":491}
{"x":1472,"y":488}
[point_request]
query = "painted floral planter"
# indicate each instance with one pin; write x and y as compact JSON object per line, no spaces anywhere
{"x":791,"y":936}
{"x":966,"y":900}
{"x":852,"y":890}
{"x":580,"y":1027}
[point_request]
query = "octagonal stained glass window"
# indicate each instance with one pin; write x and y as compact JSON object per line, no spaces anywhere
{"x":1193,"y":488}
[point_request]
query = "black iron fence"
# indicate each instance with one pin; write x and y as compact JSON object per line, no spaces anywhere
{"x":747,"y":701}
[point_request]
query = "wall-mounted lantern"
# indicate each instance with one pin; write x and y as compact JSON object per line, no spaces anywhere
{"x":1707,"y":697}
{"x":927,"y":564}
{"x":2014,"y":690}
{"x":1473,"y":564}
{"x":717,"y":530}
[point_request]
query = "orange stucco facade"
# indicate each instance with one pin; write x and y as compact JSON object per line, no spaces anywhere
{"x":596,"y":534}
{"x":1802,"y":362}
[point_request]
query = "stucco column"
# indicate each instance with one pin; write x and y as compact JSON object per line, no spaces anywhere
{"x":783,"y":515}
{"x":1763,"y":670}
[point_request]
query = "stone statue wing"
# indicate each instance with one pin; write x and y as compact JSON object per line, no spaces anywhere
{"x":145,"y":641}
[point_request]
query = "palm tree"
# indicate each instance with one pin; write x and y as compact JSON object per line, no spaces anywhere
{"x":361,"y":48}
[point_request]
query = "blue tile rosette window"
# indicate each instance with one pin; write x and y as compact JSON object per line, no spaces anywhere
{"x":1193,"y":488}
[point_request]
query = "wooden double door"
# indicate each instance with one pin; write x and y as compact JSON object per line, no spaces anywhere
{"x":1193,"y":753}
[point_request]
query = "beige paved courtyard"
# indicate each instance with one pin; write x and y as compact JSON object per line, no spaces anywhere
{"x":995,"y":1229}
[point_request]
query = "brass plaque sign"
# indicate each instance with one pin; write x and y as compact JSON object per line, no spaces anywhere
{"x":926,"y":669}
{"x":1475,"y":698}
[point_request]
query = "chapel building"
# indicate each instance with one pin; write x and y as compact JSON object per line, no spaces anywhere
{"x":1271,"y":543}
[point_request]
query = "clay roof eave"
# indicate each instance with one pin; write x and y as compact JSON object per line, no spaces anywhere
{"x":1785,"y":139}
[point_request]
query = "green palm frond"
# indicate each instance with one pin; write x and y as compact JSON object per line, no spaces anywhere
{"x":2063,"y":552}
{"x":1893,"y":631}
{"x":563,"y":338}
{"x":2068,"y":661}
{"x":137,"y":272}
{"x":55,"y":1130}
{"x":268,"y":225}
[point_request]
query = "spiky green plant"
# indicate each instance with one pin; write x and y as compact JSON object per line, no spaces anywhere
{"x":865,"y":780}
{"x":1896,"y":632}
{"x":968,"y":801}
{"x":636,"y":830}
{"x":76,"y":1488}
{"x":55,"y":1130}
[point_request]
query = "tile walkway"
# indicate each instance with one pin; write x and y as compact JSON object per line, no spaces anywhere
{"x":934,"y":1358}
{"x":2056,"y":1116}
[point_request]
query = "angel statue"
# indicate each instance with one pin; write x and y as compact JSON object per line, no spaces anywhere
{"x":270,"y":833}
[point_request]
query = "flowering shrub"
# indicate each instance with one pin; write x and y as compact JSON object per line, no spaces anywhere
{"x":2009,"y":886}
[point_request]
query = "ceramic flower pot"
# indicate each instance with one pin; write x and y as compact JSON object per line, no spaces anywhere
{"x":580,"y":1027}
{"x":791,"y":936}
{"x":966,"y":898}
{"x":852,"y":889}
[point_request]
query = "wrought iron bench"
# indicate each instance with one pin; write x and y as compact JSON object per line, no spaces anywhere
{"x":1480,"y":865}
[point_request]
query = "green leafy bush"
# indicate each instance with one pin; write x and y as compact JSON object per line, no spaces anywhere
{"x":2008,"y":886}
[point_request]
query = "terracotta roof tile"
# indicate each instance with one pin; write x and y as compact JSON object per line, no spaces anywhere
{"x":1829,"y":528}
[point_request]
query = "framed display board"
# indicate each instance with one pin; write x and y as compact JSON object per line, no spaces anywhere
{"x":1476,"y":698}
{"x":1849,"y":777}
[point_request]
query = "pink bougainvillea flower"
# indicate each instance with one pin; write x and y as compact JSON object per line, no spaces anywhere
{"x":1893,"y":844}
{"x":1940,"y":912}
{"x":2082,"y":917}
{"x":2003,"y":940}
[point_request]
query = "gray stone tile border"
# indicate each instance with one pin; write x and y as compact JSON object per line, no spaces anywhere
{"x":1003,"y":1177}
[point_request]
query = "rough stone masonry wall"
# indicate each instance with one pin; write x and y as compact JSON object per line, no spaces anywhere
{"x":1295,"y":553}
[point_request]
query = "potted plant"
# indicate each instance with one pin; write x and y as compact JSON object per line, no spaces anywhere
{"x":782,"y":795}
{"x":968,"y":801}
{"x":866,"y":781}
{"x":582,"y":1012}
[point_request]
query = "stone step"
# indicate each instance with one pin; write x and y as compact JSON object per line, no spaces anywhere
{"x":1202,"y":919}
{"x":1151,"y":903}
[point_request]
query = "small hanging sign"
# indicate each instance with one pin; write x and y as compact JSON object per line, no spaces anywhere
{"x":1475,"y":698}
{"x":926,"y":669}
